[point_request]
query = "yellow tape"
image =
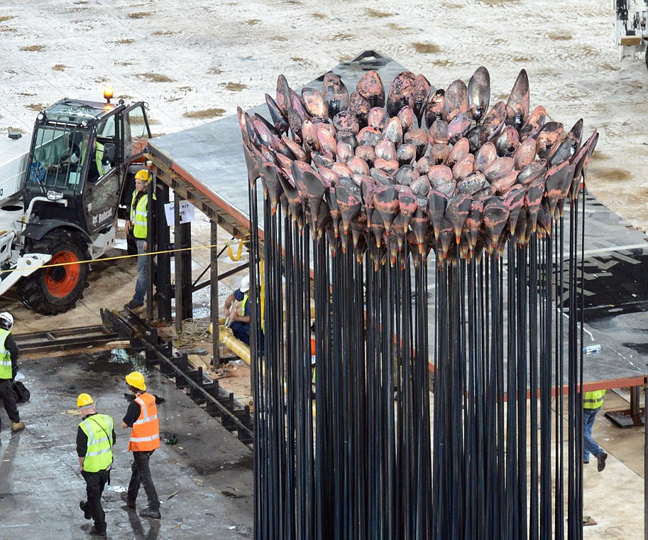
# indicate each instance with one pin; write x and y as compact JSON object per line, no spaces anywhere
{"x":148,"y":254}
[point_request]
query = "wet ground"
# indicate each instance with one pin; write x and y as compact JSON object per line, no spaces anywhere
{"x":204,"y":481}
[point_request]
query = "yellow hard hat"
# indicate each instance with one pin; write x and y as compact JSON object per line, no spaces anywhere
{"x":84,"y":400}
{"x":143,"y":175}
{"x":136,"y":380}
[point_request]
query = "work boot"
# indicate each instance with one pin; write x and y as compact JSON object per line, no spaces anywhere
{"x":133,"y":305}
{"x":97,"y":532}
{"x":17,"y":426}
{"x":601,"y":461}
{"x":147,"y":512}
{"x":86,"y":510}
{"x":124,"y":497}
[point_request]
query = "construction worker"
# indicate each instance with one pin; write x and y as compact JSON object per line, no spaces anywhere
{"x":8,"y":370}
{"x":94,"y":442}
{"x":78,"y":148}
{"x":73,"y":158}
{"x":592,"y":403}
{"x":238,"y":308}
{"x":98,"y":166}
{"x":137,"y":225}
{"x":145,"y":438}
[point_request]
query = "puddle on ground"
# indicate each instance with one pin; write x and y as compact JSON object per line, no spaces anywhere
{"x":119,"y":356}
{"x":122,"y":356}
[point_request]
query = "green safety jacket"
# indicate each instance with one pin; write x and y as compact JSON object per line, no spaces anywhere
{"x":98,"y":157}
{"x":99,"y":154}
{"x":99,"y":430}
{"x":593,"y":400}
{"x":139,"y":217}
{"x":5,"y":356}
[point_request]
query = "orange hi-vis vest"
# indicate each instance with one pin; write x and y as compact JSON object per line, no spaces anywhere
{"x":146,"y":430}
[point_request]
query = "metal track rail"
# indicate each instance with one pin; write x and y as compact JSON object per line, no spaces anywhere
{"x":220,"y":404}
{"x":68,"y":338}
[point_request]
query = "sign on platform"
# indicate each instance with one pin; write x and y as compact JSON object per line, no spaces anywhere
{"x":186,"y":212}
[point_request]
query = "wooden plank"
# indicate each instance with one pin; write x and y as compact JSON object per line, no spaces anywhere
{"x":197,"y":362}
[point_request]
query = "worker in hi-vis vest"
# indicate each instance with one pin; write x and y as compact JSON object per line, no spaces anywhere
{"x":98,"y":166}
{"x":8,"y":370}
{"x":145,"y":438}
{"x":79,"y":149}
{"x":94,"y":442}
{"x":592,"y":403}
{"x":137,"y":225}
{"x":237,"y":308}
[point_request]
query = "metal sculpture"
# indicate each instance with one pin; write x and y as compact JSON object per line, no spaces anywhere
{"x":423,"y":234}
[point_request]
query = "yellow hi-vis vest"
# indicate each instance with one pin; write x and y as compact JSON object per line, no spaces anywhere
{"x":99,"y":429}
{"x":139,"y":215}
{"x":98,"y":157}
{"x":99,"y":154}
{"x":593,"y":400}
{"x":5,"y":356}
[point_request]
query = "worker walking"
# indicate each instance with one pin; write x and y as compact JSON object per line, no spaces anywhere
{"x":592,"y":403}
{"x":137,"y":225}
{"x":145,"y":438}
{"x":8,"y":370}
{"x":94,"y":442}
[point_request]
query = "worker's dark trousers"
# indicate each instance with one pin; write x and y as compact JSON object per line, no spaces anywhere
{"x":9,"y":400}
{"x":95,"y":483}
{"x":142,"y":475}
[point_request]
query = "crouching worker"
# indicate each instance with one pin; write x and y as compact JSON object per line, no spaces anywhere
{"x":145,"y":438}
{"x":238,"y":309}
{"x":8,"y":370}
{"x":95,"y":439}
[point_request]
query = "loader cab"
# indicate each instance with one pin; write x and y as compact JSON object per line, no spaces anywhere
{"x":79,"y":160}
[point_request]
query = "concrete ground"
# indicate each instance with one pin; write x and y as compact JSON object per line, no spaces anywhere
{"x":204,"y":481}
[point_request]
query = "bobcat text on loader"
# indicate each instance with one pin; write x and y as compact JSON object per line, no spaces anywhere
{"x":60,"y":198}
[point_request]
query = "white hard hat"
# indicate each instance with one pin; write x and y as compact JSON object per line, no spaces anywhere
{"x":245,"y":284}
{"x":6,"y":320}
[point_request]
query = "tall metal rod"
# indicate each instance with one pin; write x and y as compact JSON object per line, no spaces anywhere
{"x":213,"y":280}
{"x":180,"y":291}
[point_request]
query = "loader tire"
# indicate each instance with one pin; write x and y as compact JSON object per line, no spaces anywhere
{"x":56,"y":290}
